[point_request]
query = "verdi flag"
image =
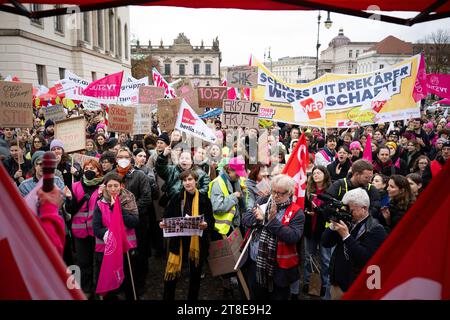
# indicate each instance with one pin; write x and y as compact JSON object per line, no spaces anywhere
{"x":439,"y":84}
{"x":105,"y":90}
{"x":111,"y":273}
{"x":296,"y":168}
{"x":188,"y":121}
{"x":414,"y":261}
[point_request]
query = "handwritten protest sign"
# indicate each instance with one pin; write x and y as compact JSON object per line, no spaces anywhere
{"x":55,"y":113}
{"x":211,"y":97}
{"x":16,"y":104}
{"x":167,"y":113}
{"x":142,"y":119}
{"x":242,"y":77}
{"x":240,"y":113}
{"x":121,"y":119}
{"x":81,"y":158}
{"x":184,"y":89}
{"x":72,"y":132}
{"x":150,"y":94}
{"x":183,"y":226}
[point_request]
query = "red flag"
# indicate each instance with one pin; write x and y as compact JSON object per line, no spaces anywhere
{"x":231,"y":92}
{"x":106,"y":89}
{"x":30,"y":266}
{"x":420,"y":86}
{"x":414,"y":261}
{"x":367,"y":153}
{"x":296,"y":168}
{"x":111,"y":272}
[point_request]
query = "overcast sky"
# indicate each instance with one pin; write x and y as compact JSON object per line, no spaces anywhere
{"x":245,"y":32}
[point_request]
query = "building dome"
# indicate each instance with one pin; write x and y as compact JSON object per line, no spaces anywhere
{"x":339,"y":40}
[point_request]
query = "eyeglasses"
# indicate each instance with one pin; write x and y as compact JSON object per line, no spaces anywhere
{"x":37,"y":141}
{"x":425,"y":163}
{"x":38,"y":163}
{"x":279,"y":194}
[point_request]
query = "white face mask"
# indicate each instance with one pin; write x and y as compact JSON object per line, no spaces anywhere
{"x":123,"y":163}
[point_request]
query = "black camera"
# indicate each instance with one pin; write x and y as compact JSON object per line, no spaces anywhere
{"x":335,"y":210}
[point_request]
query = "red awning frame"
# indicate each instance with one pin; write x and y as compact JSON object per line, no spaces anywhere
{"x":429,"y":14}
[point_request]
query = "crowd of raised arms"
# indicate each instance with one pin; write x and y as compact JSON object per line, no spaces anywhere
{"x":236,"y":183}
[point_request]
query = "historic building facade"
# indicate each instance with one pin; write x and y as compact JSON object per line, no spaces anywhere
{"x":91,"y":44}
{"x":200,"y":63}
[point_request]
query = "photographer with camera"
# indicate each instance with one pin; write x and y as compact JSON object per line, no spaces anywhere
{"x":356,"y":241}
{"x":361,"y":176}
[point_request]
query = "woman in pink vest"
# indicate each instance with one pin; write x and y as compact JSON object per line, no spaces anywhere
{"x":81,"y":204}
{"x":101,"y":222}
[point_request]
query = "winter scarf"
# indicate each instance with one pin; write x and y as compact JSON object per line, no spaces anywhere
{"x":174,"y":262}
{"x":266,"y":260}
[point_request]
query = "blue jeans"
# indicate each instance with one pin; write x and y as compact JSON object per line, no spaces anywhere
{"x":311,"y":246}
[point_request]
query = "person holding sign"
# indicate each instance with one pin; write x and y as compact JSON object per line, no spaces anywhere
{"x":187,"y":202}
{"x":15,"y":164}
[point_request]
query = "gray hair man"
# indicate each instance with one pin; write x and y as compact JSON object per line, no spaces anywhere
{"x":355,"y":245}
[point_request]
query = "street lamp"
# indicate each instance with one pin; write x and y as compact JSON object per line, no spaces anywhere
{"x":328,"y":23}
{"x":268,"y":57}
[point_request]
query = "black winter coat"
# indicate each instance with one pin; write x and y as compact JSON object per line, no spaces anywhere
{"x":173,"y":210}
{"x":351,"y":255}
{"x":345,"y":167}
{"x":139,"y":185}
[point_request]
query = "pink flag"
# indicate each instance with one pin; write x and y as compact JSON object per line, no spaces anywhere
{"x":367,"y":154}
{"x":420,"y":87}
{"x":105,"y":90}
{"x":439,"y":84}
{"x":111,"y":272}
{"x":232,"y":94}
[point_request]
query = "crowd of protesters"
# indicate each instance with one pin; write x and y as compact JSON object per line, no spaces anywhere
{"x":235,"y":186}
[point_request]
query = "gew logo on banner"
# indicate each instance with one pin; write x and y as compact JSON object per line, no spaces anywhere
{"x":312,"y":108}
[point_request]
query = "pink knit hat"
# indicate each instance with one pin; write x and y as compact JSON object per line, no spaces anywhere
{"x":355,"y":145}
{"x":100,"y":126}
{"x":429,"y":125}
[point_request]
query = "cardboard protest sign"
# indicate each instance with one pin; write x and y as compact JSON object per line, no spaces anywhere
{"x":240,"y":113}
{"x":188,"y":121}
{"x":211,"y":97}
{"x":183,"y":226}
{"x":72,"y":132}
{"x":81,"y":158}
{"x":347,"y":99}
{"x":223,"y":254}
{"x":16,"y":104}
{"x":242,"y":77}
{"x":150,"y":94}
{"x":142,"y":119}
{"x":167,"y":113}
{"x":121,"y":119}
{"x":55,"y":113}
{"x":185,"y":90}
